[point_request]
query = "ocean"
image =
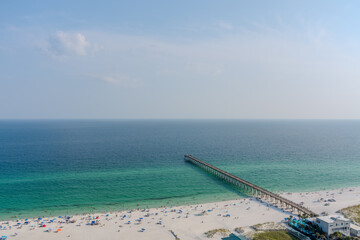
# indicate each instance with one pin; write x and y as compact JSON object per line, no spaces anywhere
{"x":58,"y":167}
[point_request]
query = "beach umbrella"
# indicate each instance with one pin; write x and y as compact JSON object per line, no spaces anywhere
{"x":18,"y":223}
{"x":59,"y":229}
{"x":143,"y":229}
{"x":39,"y":218}
{"x":107,"y":215}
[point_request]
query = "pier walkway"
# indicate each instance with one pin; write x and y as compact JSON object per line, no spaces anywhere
{"x":252,"y":188}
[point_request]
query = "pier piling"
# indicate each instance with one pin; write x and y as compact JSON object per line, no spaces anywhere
{"x":252,"y":188}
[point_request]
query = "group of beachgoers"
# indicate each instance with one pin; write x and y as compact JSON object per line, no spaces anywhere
{"x":121,"y":219}
{"x":186,"y":222}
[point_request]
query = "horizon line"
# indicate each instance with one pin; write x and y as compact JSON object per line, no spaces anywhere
{"x":17,"y":119}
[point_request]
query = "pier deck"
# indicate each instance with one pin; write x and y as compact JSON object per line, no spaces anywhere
{"x":256,"y":190}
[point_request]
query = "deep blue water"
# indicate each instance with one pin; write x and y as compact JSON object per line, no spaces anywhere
{"x":73,"y":166}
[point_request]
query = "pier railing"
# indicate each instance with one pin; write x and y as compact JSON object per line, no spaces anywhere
{"x":255,"y":190}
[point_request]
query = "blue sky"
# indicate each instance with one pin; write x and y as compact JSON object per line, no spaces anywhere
{"x":180,"y":59}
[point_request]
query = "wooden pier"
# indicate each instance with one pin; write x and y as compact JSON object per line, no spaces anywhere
{"x":252,"y":188}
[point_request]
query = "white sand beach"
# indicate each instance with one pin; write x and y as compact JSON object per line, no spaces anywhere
{"x":187,"y":222}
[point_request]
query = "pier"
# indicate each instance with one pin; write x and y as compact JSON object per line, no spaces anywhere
{"x":252,"y":188}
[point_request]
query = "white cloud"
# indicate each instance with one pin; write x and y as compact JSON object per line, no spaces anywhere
{"x":119,"y":79}
{"x":225,"y":25}
{"x":252,"y":70}
{"x":64,"y":44}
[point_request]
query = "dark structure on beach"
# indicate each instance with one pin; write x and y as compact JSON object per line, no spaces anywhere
{"x":252,"y":188}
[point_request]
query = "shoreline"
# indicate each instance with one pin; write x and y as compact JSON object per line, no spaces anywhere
{"x":285,"y":194}
{"x":187,"y":221}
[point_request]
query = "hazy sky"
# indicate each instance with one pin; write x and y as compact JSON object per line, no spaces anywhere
{"x":179,"y":59}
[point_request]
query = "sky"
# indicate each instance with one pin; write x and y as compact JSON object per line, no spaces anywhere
{"x":185,"y":59}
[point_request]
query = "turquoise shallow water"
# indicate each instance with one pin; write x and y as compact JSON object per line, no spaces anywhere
{"x":77,"y":166}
